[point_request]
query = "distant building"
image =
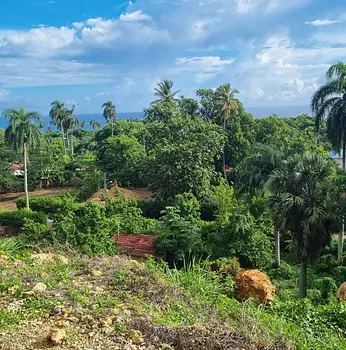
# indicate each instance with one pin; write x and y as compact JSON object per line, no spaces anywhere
{"x":17,"y":169}
{"x":337,"y":157}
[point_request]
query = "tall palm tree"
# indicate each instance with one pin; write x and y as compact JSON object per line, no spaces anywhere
{"x":302,"y":204}
{"x":253,"y":176}
{"x":164,"y":91}
{"x":23,"y":133}
{"x":330,"y":101}
{"x":95,"y":124}
{"x":228,"y":105}
{"x":109,"y":113}
{"x":83,"y":124}
{"x":57,"y":115}
{"x":70,"y":123}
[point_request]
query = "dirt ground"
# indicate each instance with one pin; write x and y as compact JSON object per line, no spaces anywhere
{"x":8,"y":200}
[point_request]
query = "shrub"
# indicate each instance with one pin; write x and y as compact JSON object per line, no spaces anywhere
{"x":129,"y":216}
{"x":90,"y":185}
{"x":11,"y":246}
{"x":188,"y":206}
{"x":177,"y":237}
{"x":230,"y":267}
{"x":17,"y":218}
{"x":50,"y":205}
{"x":88,"y":230}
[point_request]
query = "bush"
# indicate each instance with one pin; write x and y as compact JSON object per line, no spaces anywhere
{"x":129,"y":216}
{"x":90,"y":185}
{"x":50,"y":205}
{"x":188,"y":206}
{"x":17,"y":218}
{"x":11,"y":246}
{"x":177,"y":237}
{"x":88,"y":230}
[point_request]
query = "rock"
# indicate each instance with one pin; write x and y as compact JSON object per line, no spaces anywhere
{"x":60,"y":324}
{"x":254,"y":284}
{"x":67,"y":311}
{"x":39,"y":288}
{"x":341,"y":293}
{"x":136,"y":336}
{"x":96,"y":273}
{"x":57,"y":336}
{"x":73,"y":319}
{"x":48,"y":258}
{"x":107,"y":322}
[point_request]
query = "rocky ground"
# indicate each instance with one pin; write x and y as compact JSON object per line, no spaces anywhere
{"x":49,"y":300}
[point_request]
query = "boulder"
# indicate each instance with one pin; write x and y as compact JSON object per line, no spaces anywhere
{"x":56,"y":336}
{"x":341,"y":293}
{"x":39,"y":288}
{"x":254,"y":284}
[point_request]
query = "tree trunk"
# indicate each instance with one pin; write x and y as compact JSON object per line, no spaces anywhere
{"x":303,"y":280}
{"x":25,"y":151}
{"x":341,"y":234}
{"x":277,"y":249}
{"x":63,"y":137}
{"x":105,"y":182}
{"x":72,"y":149}
{"x":112,"y":127}
{"x":224,"y":151}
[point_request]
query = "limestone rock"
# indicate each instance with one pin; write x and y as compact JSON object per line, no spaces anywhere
{"x":254,"y":284}
{"x":96,"y":273}
{"x":48,"y":258}
{"x":341,"y":293}
{"x":57,"y":336}
{"x":39,"y":288}
{"x":136,"y":337}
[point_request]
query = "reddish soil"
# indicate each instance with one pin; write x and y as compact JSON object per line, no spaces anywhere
{"x":8,"y":200}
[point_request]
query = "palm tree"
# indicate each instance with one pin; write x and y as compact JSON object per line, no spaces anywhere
{"x":330,"y":101}
{"x":302,"y":204}
{"x":83,"y":124}
{"x":253,"y":176}
{"x":57,"y":115}
{"x":109,"y":113}
{"x":95,"y":124}
{"x":70,"y":123}
{"x":228,"y":105}
{"x":23,"y":133}
{"x":164,"y":91}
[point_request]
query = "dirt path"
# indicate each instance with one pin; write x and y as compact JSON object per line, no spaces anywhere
{"x":8,"y":200}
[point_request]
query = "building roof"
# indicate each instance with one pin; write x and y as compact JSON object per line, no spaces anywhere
{"x":17,"y":166}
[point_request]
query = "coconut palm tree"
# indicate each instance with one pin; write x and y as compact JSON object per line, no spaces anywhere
{"x":302,"y":204}
{"x":83,"y":124}
{"x":253,"y":176}
{"x":109,"y":113}
{"x":164,"y":91}
{"x":330,"y":101}
{"x":57,"y":115}
{"x":23,"y":133}
{"x":95,"y":124}
{"x":228,"y":105}
{"x":70,"y":123}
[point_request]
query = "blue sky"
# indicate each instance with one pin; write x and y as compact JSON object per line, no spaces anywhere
{"x":275,"y":52}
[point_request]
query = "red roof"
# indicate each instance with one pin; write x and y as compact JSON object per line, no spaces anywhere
{"x":136,"y":245}
{"x":17,"y":166}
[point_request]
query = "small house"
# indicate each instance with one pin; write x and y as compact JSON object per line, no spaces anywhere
{"x":17,"y":169}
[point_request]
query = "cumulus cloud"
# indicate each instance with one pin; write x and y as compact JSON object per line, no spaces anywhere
{"x":134,"y":16}
{"x":323,"y":22}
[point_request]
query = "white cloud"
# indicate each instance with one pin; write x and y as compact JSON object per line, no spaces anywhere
{"x":4,"y":94}
{"x":134,"y":16}
{"x":267,"y":6}
{"x":36,"y":42}
{"x":323,"y":22}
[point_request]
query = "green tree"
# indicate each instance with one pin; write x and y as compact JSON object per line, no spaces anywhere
{"x":182,"y":156}
{"x":57,"y":116}
{"x":83,"y":124}
{"x":209,"y":108}
{"x":228,"y":105}
{"x":302,"y":204}
{"x":70,"y":123}
{"x":109,"y":113}
{"x":23,"y":133}
{"x":95,"y":124}
{"x":330,"y":100}
{"x":164,"y":91}
{"x":253,"y":175}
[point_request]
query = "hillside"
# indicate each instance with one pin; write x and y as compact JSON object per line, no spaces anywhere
{"x":109,"y":303}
